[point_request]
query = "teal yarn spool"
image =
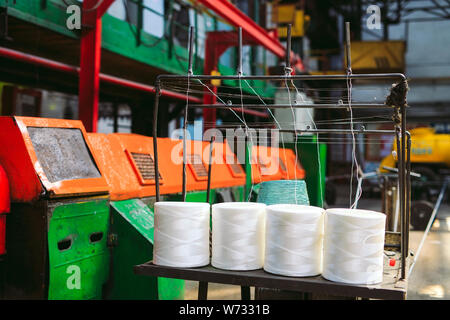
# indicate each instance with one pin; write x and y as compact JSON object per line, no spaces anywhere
{"x":283,"y":192}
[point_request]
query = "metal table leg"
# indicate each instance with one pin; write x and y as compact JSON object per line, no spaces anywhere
{"x":202,"y":290}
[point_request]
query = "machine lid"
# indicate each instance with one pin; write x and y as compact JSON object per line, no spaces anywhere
{"x":61,"y":156}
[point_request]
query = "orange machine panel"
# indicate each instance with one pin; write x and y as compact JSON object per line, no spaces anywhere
{"x":127,"y":161}
{"x":226,"y":170}
{"x":137,"y":150}
{"x":224,"y":174}
{"x":290,"y":166}
{"x":137,"y":156}
{"x":115,"y":166}
{"x":266,"y":164}
{"x":50,"y":154}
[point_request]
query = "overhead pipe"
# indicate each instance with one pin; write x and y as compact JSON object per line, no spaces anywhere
{"x":58,"y":66}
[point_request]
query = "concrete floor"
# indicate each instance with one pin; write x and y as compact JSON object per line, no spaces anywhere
{"x":430,"y":278}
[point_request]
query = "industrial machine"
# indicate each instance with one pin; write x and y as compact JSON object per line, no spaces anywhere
{"x":430,"y":154}
{"x":56,"y":235}
{"x":67,"y":239}
{"x":127,"y":161}
{"x":228,"y":176}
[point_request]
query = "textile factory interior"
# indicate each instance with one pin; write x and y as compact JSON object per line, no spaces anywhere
{"x":224,"y":150}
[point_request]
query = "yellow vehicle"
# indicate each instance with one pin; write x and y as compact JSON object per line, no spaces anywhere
{"x":430,"y":154}
{"x":430,"y":157}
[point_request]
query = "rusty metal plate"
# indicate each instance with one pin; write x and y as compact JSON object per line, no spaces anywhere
{"x":63,"y":153}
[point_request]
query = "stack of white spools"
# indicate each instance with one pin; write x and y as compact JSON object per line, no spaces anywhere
{"x":344,"y":245}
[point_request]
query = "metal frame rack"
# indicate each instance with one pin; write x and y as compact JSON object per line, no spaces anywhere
{"x":402,"y":136}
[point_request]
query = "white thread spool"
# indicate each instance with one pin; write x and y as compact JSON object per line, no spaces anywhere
{"x":238,"y":235}
{"x":294,"y":240}
{"x":353,"y":246}
{"x":181,"y":234}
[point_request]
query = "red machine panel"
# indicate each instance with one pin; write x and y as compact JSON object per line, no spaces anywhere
{"x":51,"y":155}
{"x":4,"y":207}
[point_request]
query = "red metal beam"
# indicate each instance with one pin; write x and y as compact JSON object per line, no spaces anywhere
{"x":90,"y":58}
{"x":58,"y":66}
{"x":268,"y":39}
{"x":252,"y":112}
{"x":217,"y":42}
{"x":232,"y":14}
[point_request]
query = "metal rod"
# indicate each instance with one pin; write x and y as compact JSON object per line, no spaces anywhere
{"x":403,"y":192}
{"x":288,"y":51}
{"x":338,"y":131}
{"x":248,"y":168}
{"x":239,"y":66}
{"x":208,"y":189}
{"x":155,"y":141}
{"x":300,"y":106}
{"x":202,"y":290}
{"x":408,"y":188}
{"x":186,"y":110}
{"x":348,"y":57}
{"x":398,"y":202}
{"x":184,"y":182}
{"x":393,"y":76}
{"x":191,"y":49}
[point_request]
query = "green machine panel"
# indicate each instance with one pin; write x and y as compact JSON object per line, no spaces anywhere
{"x":132,"y":227}
{"x":78,"y":253}
{"x":57,"y":249}
{"x":310,"y":154}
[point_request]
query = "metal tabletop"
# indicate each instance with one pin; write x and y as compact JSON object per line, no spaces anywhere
{"x":390,"y":288}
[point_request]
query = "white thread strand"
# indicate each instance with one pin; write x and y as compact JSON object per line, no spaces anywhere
{"x":237,"y":116}
{"x":358,"y":193}
{"x":294,"y":240}
{"x":276,"y":121}
{"x":238,"y":235}
{"x":181,"y":234}
{"x":353,"y":246}
{"x":245,"y":123}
